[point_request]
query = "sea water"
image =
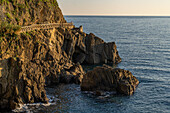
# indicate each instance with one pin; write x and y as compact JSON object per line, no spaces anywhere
{"x":144,"y":46}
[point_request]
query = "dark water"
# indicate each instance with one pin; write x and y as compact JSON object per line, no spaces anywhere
{"x":144,"y":46}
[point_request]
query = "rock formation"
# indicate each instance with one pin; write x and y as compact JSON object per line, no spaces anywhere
{"x":89,"y":49}
{"x":100,"y":52}
{"x":31,"y":60}
{"x":107,"y":78}
{"x":49,"y":54}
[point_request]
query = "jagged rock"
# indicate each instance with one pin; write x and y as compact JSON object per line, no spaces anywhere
{"x":100,"y":52}
{"x":42,"y":61}
{"x":74,"y":74}
{"x":89,"y":49}
{"x":107,"y":78}
{"x":23,"y":82}
{"x":18,"y":85}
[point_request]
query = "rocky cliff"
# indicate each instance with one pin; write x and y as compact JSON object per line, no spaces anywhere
{"x":32,"y":60}
{"x":29,"y":61}
{"x":27,"y":12}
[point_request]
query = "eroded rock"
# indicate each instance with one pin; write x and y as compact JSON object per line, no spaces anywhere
{"x":74,"y":74}
{"x":99,"y":51}
{"x":107,"y":78}
{"x":18,"y":85}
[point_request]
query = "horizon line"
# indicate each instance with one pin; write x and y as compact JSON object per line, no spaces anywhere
{"x":111,"y":15}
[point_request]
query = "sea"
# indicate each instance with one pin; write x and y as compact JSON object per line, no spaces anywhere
{"x":143,"y":43}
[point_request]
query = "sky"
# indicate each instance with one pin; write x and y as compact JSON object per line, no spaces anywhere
{"x":115,"y":7}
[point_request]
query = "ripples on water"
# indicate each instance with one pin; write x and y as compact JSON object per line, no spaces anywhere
{"x":144,"y":46}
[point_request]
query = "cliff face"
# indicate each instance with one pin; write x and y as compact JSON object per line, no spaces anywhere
{"x":30,"y":61}
{"x":27,"y":12}
{"x":34,"y":59}
{"x":19,"y":84}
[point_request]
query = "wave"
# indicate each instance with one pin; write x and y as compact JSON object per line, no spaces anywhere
{"x":31,"y":107}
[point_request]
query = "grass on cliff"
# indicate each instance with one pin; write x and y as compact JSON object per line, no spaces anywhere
{"x":4,"y":1}
{"x":8,"y":30}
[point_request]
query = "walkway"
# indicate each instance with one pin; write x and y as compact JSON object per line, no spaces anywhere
{"x":46,"y":26}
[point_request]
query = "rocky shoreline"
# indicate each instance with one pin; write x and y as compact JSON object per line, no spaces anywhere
{"x":32,"y":60}
{"x":47,"y":61}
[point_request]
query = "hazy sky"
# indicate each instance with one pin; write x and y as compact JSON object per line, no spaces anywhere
{"x":115,"y":7}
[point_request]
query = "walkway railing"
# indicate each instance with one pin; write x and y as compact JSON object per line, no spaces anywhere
{"x":46,"y":26}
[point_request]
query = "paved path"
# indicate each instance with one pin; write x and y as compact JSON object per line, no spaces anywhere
{"x":46,"y":26}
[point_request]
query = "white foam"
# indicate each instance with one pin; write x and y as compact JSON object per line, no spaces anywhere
{"x":28,"y":108}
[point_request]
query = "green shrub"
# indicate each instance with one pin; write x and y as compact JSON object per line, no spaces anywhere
{"x":4,"y":1}
{"x":8,"y":15}
{"x":7,"y":29}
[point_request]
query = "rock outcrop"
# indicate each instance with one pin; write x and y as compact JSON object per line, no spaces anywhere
{"x":90,"y":49}
{"x":100,"y":52}
{"x":107,"y":78}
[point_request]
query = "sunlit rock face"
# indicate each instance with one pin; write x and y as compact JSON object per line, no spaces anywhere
{"x":109,"y":79}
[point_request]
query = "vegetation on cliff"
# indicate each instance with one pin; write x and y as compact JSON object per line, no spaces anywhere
{"x":8,"y":30}
{"x":27,"y":12}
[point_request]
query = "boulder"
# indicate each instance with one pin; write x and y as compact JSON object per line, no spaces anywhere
{"x":88,"y":48}
{"x":107,"y":78}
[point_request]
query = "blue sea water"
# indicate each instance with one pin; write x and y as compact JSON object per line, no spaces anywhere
{"x":144,"y":46}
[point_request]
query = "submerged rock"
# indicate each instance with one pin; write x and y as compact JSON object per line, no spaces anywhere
{"x":107,"y":78}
